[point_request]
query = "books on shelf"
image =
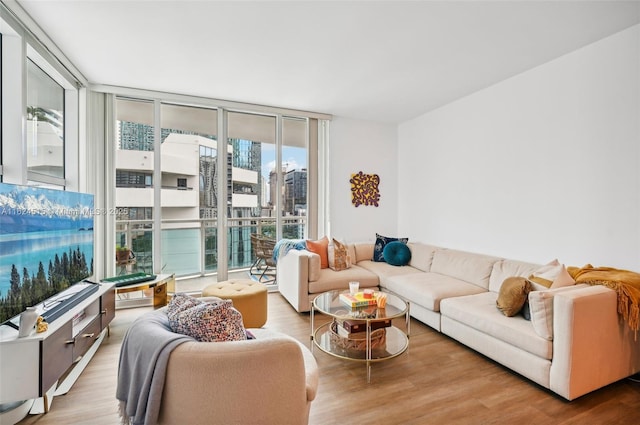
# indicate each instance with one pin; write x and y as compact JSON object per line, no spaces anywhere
{"x":343,"y":332}
{"x":347,"y":328}
{"x":78,"y":317}
{"x":357,"y":300}
{"x":355,"y":326}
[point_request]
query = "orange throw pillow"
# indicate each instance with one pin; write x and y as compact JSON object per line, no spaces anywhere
{"x":321,"y":248}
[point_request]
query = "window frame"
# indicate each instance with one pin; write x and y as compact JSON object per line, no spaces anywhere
{"x":19,"y":45}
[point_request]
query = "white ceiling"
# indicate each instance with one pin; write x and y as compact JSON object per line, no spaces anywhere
{"x":385,"y":61}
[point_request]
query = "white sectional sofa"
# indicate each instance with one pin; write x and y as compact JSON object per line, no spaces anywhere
{"x":576,"y":344}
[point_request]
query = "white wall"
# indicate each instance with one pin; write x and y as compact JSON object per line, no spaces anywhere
{"x":369,"y":147}
{"x":543,"y":165}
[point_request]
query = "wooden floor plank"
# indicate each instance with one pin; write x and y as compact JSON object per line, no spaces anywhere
{"x":437,"y":381}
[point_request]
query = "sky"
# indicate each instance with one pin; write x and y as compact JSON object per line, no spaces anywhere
{"x":293,"y":158}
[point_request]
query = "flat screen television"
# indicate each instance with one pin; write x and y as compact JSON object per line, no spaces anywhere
{"x":46,"y":248}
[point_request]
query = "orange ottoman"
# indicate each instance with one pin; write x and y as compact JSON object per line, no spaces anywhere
{"x":249,"y":298}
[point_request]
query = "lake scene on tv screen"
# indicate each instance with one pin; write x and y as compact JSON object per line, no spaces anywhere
{"x":46,"y":244}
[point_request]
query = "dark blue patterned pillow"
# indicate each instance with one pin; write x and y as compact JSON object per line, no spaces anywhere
{"x":381,"y":242}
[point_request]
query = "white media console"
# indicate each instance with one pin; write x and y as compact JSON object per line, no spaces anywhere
{"x":35,"y":368}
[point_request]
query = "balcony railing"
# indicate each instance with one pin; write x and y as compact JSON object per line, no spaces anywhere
{"x":177,"y":187}
{"x":190,"y":247}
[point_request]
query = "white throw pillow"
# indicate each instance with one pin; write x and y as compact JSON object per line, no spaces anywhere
{"x":563,"y":279}
{"x":541,"y":307}
{"x":552,"y":275}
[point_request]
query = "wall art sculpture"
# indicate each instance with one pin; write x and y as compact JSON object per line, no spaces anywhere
{"x":364,"y":189}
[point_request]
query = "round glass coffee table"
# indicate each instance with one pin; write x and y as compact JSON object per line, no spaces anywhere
{"x":366,"y":334}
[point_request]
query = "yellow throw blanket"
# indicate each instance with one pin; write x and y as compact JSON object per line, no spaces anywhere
{"x":624,"y":282}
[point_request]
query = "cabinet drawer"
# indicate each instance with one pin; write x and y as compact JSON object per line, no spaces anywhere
{"x":86,"y":337}
{"x":57,"y":356}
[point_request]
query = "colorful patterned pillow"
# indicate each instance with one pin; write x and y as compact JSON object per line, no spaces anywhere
{"x":211,"y":321}
{"x":339,"y":258}
{"x":181,"y":302}
{"x":381,"y":242}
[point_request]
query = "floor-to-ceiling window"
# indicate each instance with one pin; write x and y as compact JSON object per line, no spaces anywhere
{"x":252,"y":142}
{"x":134,"y":182}
{"x":189,"y":191}
{"x":259,"y":184}
{"x":294,"y":188}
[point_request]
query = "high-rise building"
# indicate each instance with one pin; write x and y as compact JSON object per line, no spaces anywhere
{"x":189,"y":181}
{"x":295,"y":191}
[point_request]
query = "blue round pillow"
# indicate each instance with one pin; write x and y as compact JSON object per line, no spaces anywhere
{"x":397,"y":253}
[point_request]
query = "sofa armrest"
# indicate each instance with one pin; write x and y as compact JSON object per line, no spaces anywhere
{"x":312,"y":377}
{"x":271,"y":378}
{"x":592,"y":346}
{"x":293,"y":278}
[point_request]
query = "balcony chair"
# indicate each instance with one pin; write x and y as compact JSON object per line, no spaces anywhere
{"x":264,"y":266}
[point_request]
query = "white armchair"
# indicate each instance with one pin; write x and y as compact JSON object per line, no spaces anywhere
{"x":270,"y":380}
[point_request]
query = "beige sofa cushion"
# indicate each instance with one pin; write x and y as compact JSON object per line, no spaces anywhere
{"x":541,"y":307}
{"x":467,"y":266}
{"x":428,"y":289}
{"x":421,"y":255}
{"x":362,"y":251}
{"x":503,"y":269}
{"x":384,"y":270}
{"x":479,"y":312}
{"x":330,"y":280}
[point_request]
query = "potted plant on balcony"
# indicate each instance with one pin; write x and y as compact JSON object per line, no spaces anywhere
{"x":122,"y":254}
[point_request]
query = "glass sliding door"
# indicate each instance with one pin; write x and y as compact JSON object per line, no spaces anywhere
{"x":251,"y":150}
{"x":267,"y":183}
{"x":134,"y":162}
{"x":189,"y":195}
{"x":294,"y":179}
{"x":134,"y":200}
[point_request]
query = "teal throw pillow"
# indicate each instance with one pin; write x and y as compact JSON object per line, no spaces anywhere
{"x":381,"y":242}
{"x":397,"y":253}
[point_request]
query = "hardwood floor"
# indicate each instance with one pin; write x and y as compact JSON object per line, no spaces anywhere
{"x":437,"y":381}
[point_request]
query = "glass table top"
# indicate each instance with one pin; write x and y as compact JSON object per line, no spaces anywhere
{"x":329,"y":303}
